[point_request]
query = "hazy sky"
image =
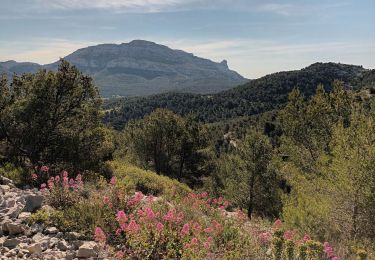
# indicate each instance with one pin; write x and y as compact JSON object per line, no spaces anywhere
{"x":256,"y":37}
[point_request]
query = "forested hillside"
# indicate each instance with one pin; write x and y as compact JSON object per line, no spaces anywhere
{"x":289,"y":175}
{"x":257,"y":96}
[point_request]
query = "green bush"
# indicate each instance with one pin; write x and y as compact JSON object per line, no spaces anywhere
{"x":17,"y":174}
{"x":131,"y":179}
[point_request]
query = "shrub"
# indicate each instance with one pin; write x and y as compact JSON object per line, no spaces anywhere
{"x":16,"y":174}
{"x":132,"y":178}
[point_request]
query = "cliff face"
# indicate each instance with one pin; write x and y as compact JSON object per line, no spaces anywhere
{"x":144,"y":68}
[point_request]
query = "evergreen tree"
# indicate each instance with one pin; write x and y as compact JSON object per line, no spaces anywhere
{"x":48,"y":117}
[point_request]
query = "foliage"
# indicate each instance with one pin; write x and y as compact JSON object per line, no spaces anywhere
{"x":327,"y":149}
{"x":258,"y":96}
{"x":132,"y":179}
{"x":247,"y":176}
{"x":53,"y":118}
{"x":166,"y":143}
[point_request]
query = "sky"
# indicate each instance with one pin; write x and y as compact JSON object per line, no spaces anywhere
{"x":256,"y":37}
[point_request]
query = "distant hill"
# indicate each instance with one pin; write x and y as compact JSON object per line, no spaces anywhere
{"x":257,"y":96}
{"x":143,"y":68}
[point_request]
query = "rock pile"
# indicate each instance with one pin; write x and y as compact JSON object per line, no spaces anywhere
{"x":19,"y":240}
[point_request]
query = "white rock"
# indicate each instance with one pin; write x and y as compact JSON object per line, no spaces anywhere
{"x":4,"y":188}
{"x":35,"y":248}
{"x":51,"y":230}
{"x":24,"y":216}
{"x":88,"y":249}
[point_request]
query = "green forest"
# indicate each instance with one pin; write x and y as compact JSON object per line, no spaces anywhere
{"x":282,"y":167}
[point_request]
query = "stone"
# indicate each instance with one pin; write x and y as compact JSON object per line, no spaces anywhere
{"x":23,"y":216}
{"x":35,"y":248}
{"x":33,"y":202}
{"x":2,"y":239}
{"x":36,"y":228}
{"x":52,"y":242}
{"x":37,"y":237}
{"x":4,"y":188}
{"x":6,"y":181}
{"x":15,"y":211}
{"x":11,"y":242}
{"x":77,"y":243}
{"x":73,"y":236}
{"x":14,"y":228}
{"x":59,"y":235}
{"x":88,"y":249}
{"x":51,"y":230}
{"x":62,"y":245}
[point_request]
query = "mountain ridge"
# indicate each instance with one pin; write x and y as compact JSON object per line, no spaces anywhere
{"x":257,"y":96}
{"x":141,"y":68}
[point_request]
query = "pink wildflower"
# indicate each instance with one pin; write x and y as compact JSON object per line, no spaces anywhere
{"x":138,"y":196}
{"x":118,"y":231}
{"x":216,"y":225}
{"x":328,"y":249}
{"x":113,"y":181}
{"x":57,"y":179}
{"x":204,"y":195}
{"x":99,"y":235}
{"x":159,"y":226}
{"x":277,"y":224}
{"x":44,"y":168}
{"x":197,"y":228}
{"x":133,"y":227}
{"x":265,"y":237}
{"x":51,"y":183}
{"x":150,"y":213}
{"x":65,"y":174}
{"x":208,"y":242}
{"x":208,"y":230}
{"x":185,"y":229}
{"x":79,"y":179}
{"x":306,"y":237}
{"x":119,"y":255}
{"x":289,"y":235}
{"x":170,"y":215}
{"x":180,"y":216}
{"x":43,"y":186}
{"x":107,"y":201}
{"x":194,"y":241}
{"x":121,"y":217}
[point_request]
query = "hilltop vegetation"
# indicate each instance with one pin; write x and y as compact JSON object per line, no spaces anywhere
{"x":257,"y":96}
{"x":177,"y":191}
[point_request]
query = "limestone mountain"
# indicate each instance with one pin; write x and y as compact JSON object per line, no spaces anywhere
{"x":143,"y":68}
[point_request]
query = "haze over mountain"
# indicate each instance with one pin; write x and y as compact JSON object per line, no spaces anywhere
{"x":142,"y":68}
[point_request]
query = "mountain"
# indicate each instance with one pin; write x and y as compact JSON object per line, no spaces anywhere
{"x":11,"y":66}
{"x":143,"y":68}
{"x":257,"y":96}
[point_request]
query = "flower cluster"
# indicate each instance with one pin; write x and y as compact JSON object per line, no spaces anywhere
{"x":328,"y":250}
{"x":61,"y":191}
{"x":158,"y":224}
{"x":63,"y":181}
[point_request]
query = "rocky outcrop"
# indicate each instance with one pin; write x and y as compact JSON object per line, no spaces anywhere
{"x":143,"y":68}
{"x":20,"y":240}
